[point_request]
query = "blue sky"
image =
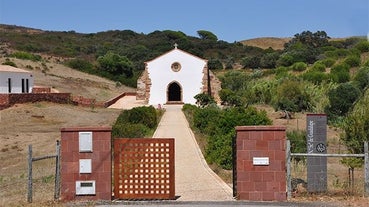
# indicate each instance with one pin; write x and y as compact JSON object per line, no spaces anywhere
{"x":230,"y":20}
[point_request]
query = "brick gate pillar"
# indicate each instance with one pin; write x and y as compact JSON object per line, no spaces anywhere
{"x":86,"y":167}
{"x":261,"y":168}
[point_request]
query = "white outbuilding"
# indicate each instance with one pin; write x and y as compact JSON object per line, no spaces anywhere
{"x":15,"y":80}
{"x":176,"y":77}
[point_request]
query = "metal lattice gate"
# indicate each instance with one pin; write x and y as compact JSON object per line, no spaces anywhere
{"x":144,"y":168}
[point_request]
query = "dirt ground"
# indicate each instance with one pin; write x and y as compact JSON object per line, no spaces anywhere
{"x":38,"y":124}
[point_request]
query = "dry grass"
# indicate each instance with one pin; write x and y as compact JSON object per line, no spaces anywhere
{"x":266,"y":42}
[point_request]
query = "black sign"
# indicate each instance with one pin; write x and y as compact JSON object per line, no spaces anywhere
{"x":316,"y":138}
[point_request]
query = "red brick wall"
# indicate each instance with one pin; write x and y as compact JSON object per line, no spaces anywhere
{"x":40,"y":89}
{"x":89,"y":102}
{"x":7,"y":100}
{"x":15,"y":98}
{"x":4,"y":100}
{"x":100,"y":158}
{"x":267,"y":182}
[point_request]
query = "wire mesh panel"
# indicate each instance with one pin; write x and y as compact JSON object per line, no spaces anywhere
{"x":144,"y":168}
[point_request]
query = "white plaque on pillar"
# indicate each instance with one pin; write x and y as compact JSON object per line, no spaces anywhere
{"x":85,"y":141}
{"x":260,"y":160}
{"x":85,"y":166}
{"x":86,"y":187}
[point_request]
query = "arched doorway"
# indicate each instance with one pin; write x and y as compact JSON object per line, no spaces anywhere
{"x":174,"y":93}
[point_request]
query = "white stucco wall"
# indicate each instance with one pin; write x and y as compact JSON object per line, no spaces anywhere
{"x":16,"y":81}
{"x":189,"y":77}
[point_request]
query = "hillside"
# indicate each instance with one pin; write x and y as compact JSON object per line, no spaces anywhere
{"x":266,"y":42}
{"x":64,"y":79}
{"x":302,"y":79}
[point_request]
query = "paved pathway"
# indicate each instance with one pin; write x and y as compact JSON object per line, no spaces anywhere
{"x":195,"y":181}
{"x":127,"y":102}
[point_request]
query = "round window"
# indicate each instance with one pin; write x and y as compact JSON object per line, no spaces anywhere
{"x":176,"y":67}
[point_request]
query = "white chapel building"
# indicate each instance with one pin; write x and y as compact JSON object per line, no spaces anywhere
{"x":175,"y":78}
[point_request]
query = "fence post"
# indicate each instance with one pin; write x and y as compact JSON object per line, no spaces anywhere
{"x":366,"y":182}
{"x":29,"y":195}
{"x":57,"y":171}
{"x":288,"y":162}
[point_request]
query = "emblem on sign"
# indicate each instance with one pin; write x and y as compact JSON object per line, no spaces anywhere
{"x":321,"y":147}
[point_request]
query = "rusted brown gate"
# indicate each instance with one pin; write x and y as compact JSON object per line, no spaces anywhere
{"x":144,"y":168}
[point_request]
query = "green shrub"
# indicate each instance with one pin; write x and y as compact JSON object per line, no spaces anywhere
{"x":363,"y":46}
{"x":219,"y":128}
{"x":361,"y":78}
{"x":328,"y":62}
{"x":26,"y":56}
{"x":298,"y":142}
{"x":129,"y":130}
{"x":340,"y":73}
{"x":261,"y":91}
{"x":281,"y":72}
{"x":204,"y":119}
{"x":230,"y":98}
{"x":219,"y":148}
{"x":291,"y":96}
{"x":144,"y":119}
{"x":299,"y":66}
{"x":8,"y":62}
{"x":353,"y":60}
{"x":315,"y":77}
{"x":331,"y":55}
{"x":318,"y":66}
{"x":80,"y":64}
{"x":145,"y":115}
{"x":285,"y":60}
{"x":342,"y":52}
{"x":366,"y":63}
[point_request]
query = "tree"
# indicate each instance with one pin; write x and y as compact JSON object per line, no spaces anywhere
{"x":203,"y":99}
{"x":304,"y":47}
{"x":230,"y":98}
{"x":356,"y":132}
{"x":291,"y":96}
{"x":342,"y":98}
{"x":206,"y":35}
{"x":356,"y":126}
{"x":115,"y":64}
{"x":215,"y":64}
{"x":269,"y":60}
{"x":314,"y":40}
{"x":251,"y":62}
